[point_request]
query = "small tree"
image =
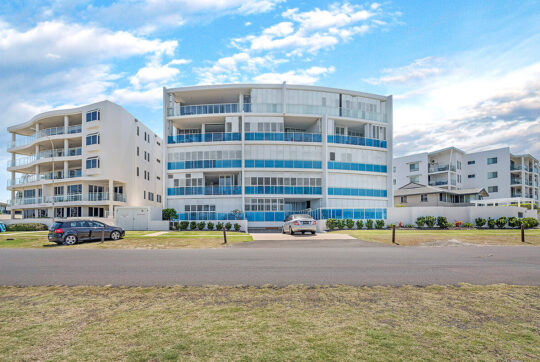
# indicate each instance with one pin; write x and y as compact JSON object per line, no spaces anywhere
{"x":369,"y":224}
{"x":359,"y":224}
{"x":183,"y":225}
{"x":168,"y":214}
{"x":192,"y":225}
{"x":219,"y":226}
{"x":491,"y":223}
{"x":201,"y":225}
{"x":430,"y":221}
{"x":210,"y":226}
{"x":237,"y":227}
{"x":228,"y":226}
{"x":350,"y":223}
{"x":379,"y":224}
{"x":501,"y":222}
{"x":420,"y":221}
{"x":480,"y":222}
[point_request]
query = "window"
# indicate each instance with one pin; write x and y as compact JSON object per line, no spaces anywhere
{"x":92,"y":139}
{"x":158,"y":198}
{"x":151,"y":196}
{"x":92,"y":162}
{"x":471,"y":176}
{"x":413,"y":167}
{"x":493,"y":188}
{"x":96,"y":212}
{"x":340,"y":130}
{"x":492,"y":160}
{"x":144,"y":195}
{"x":459,"y":165}
{"x":394,"y":181}
{"x":137,"y":150}
{"x":137,"y":171}
{"x":415,"y":179}
{"x":159,"y":178}
{"x":492,"y":174}
{"x":423,"y":197}
{"x":471,"y":162}
{"x":394,"y":169}
{"x":332,"y":156}
{"x":94,"y":115}
{"x":404,"y":199}
{"x":158,"y":160}
{"x":137,"y":130}
{"x":459,"y":178}
{"x":145,"y":155}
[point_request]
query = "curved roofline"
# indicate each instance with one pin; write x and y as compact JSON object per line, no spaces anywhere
{"x":55,"y":112}
{"x":275,"y":86}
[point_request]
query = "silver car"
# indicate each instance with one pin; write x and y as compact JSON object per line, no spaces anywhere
{"x":299,"y":223}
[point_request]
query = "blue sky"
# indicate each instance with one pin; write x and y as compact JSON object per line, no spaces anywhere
{"x":463,"y":73}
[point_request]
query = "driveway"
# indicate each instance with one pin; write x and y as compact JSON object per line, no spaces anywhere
{"x":317,"y":263}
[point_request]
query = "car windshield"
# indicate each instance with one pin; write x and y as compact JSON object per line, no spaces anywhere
{"x":301,"y":216}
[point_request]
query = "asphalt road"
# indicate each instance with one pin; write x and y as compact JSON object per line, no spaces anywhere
{"x":322,"y":263}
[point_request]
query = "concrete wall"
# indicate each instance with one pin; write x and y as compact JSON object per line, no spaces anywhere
{"x":49,"y":221}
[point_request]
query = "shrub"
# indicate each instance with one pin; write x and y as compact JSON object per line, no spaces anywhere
{"x":236,"y":227}
{"x":340,"y":224}
{"x":442,"y":222}
{"x":468,"y":225}
{"x":228,"y":226}
{"x":210,"y":226}
{"x":201,"y":225}
{"x":168,"y":214}
{"x":459,"y":224}
{"x":192,"y":225}
{"x":349,"y":223}
{"x":529,"y":222}
{"x":26,"y":227}
{"x":514,"y":222}
{"x":183,"y":225}
{"x":491,"y":223}
{"x":409,"y":226}
{"x":379,"y":224}
{"x":420,"y":221}
{"x":501,"y":222}
{"x":369,"y":224}
{"x":430,"y":221}
{"x":480,"y":222}
{"x":331,"y":224}
{"x":219,"y":226}
{"x":359,"y":224}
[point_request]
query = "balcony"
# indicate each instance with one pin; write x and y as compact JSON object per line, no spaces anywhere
{"x":438,"y":183}
{"x":70,"y":152}
{"x":515,"y":181}
{"x":47,"y":133}
{"x":357,"y":141}
{"x":336,"y":112}
{"x":91,"y":197}
{"x":205,"y":137}
{"x":207,"y":109}
{"x":516,"y":167}
{"x":285,"y":137}
{"x":204,"y":190}
{"x":441,"y":168}
{"x":516,"y":194}
{"x":43,"y":176}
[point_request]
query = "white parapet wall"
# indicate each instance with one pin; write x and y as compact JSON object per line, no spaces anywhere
{"x":140,"y":218}
{"x":408,"y":215}
{"x":49,"y":221}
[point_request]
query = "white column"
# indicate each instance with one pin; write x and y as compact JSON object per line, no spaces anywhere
{"x":242,"y":172}
{"x":66,"y":169}
{"x":66,"y":123}
{"x":66,"y":147}
{"x":111,"y":198}
{"x":324,"y":159}
{"x":13,"y":140}
{"x":522,"y":176}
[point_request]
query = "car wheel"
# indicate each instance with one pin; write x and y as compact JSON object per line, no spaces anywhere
{"x":290,"y":231}
{"x":313,"y":233}
{"x":115,"y":235}
{"x":303,"y":232}
{"x":70,"y":240}
{"x":283,"y":230}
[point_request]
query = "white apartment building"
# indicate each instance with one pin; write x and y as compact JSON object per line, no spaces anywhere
{"x":502,"y":174}
{"x":83,"y":162}
{"x":263,"y":151}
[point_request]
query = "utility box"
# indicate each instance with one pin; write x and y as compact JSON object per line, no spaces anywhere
{"x":140,"y":218}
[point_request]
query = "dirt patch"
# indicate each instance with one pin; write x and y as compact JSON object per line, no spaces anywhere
{"x":451,"y":242}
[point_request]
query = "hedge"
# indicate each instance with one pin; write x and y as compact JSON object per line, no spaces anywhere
{"x":27,"y":227}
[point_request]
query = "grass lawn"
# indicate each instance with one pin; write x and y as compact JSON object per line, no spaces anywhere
{"x":497,"y":322}
{"x":133,"y":240}
{"x":419,"y":237}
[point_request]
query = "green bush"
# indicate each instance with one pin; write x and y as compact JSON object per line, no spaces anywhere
{"x":341,"y":224}
{"x":219,"y":226}
{"x":359,"y":224}
{"x":168,"y":214}
{"x":468,"y":225}
{"x":430,"y":221}
{"x":480,"y":222}
{"x":369,"y":224}
{"x":237,"y":227}
{"x":501,"y":222}
{"x":529,"y":222}
{"x":420,"y":221}
{"x":210,"y":226}
{"x":201,"y":225}
{"x":330,"y":224}
{"x":491,"y":223}
{"x":182,"y":225}
{"x":26,"y":227}
{"x":379,"y":224}
{"x":349,"y":223}
{"x":409,"y":226}
{"x":514,"y":222}
{"x":192,"y":225}
{"x":442,"y":222}
{"x":228,"y":226}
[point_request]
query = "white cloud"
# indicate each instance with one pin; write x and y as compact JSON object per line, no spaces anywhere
{"x":155,"y":73}
{"x":420,"y":69}
{"x":152,"y":97}
{"x":302,"y":76}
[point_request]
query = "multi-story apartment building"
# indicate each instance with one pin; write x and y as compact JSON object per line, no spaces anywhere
{"x":503,"y":174}
{"x":83,"y":162}
{"x":264,"y":151}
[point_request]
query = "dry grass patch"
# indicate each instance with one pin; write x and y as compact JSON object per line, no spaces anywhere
{"x":327,"y":323}
{"x":419,"y":237}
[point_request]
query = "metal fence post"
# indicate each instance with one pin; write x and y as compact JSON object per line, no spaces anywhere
{"x":522,"y":233}
{"x":393,"y":234}
{"x":102,"y":234}
{"x":224,"y":235}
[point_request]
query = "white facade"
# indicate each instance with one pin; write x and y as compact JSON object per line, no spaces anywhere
{"x":501,"y":173}
{"x":268,"y":150}
{"x":84,"y":162}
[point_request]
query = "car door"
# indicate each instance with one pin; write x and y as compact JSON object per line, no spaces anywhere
{"x":287,"y":222}
{"x":82,"y":229}
{"x":95,"y":230}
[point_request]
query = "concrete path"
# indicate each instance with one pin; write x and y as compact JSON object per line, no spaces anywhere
{"x":321,"y":263}
{"x":318,"y":236}
{"x":157,"y":233}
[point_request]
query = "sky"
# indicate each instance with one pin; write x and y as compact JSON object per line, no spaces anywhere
{"x":462,"y":73}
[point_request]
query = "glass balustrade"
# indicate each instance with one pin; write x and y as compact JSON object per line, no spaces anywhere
{"x":438,"y":183}
{"x":205,"y":137}
{"x":205,"y":190}
{"x":61,"y":152}
{"x":286,"y":136}
{"x":47,"y":132}
{"x":43,"y":176}
{"x":357,"y":141}
{"x":441,"y":168}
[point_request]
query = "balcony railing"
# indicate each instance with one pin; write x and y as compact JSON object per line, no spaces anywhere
{"x":440,"y":168}
{"x":438,"y":183}
{"x":358,"y":141}
{"x":46,"y":133}
{"x":61,"y":152}
{"x":205,"y":190}
{"x":516,"y":167}
{"x":515,"y":181}
{"x":280,"y":136}
{"x":222,"y":108}
{"x":44,"y":176}
{"x":205,"y":137}
{"x":96,"y":196}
